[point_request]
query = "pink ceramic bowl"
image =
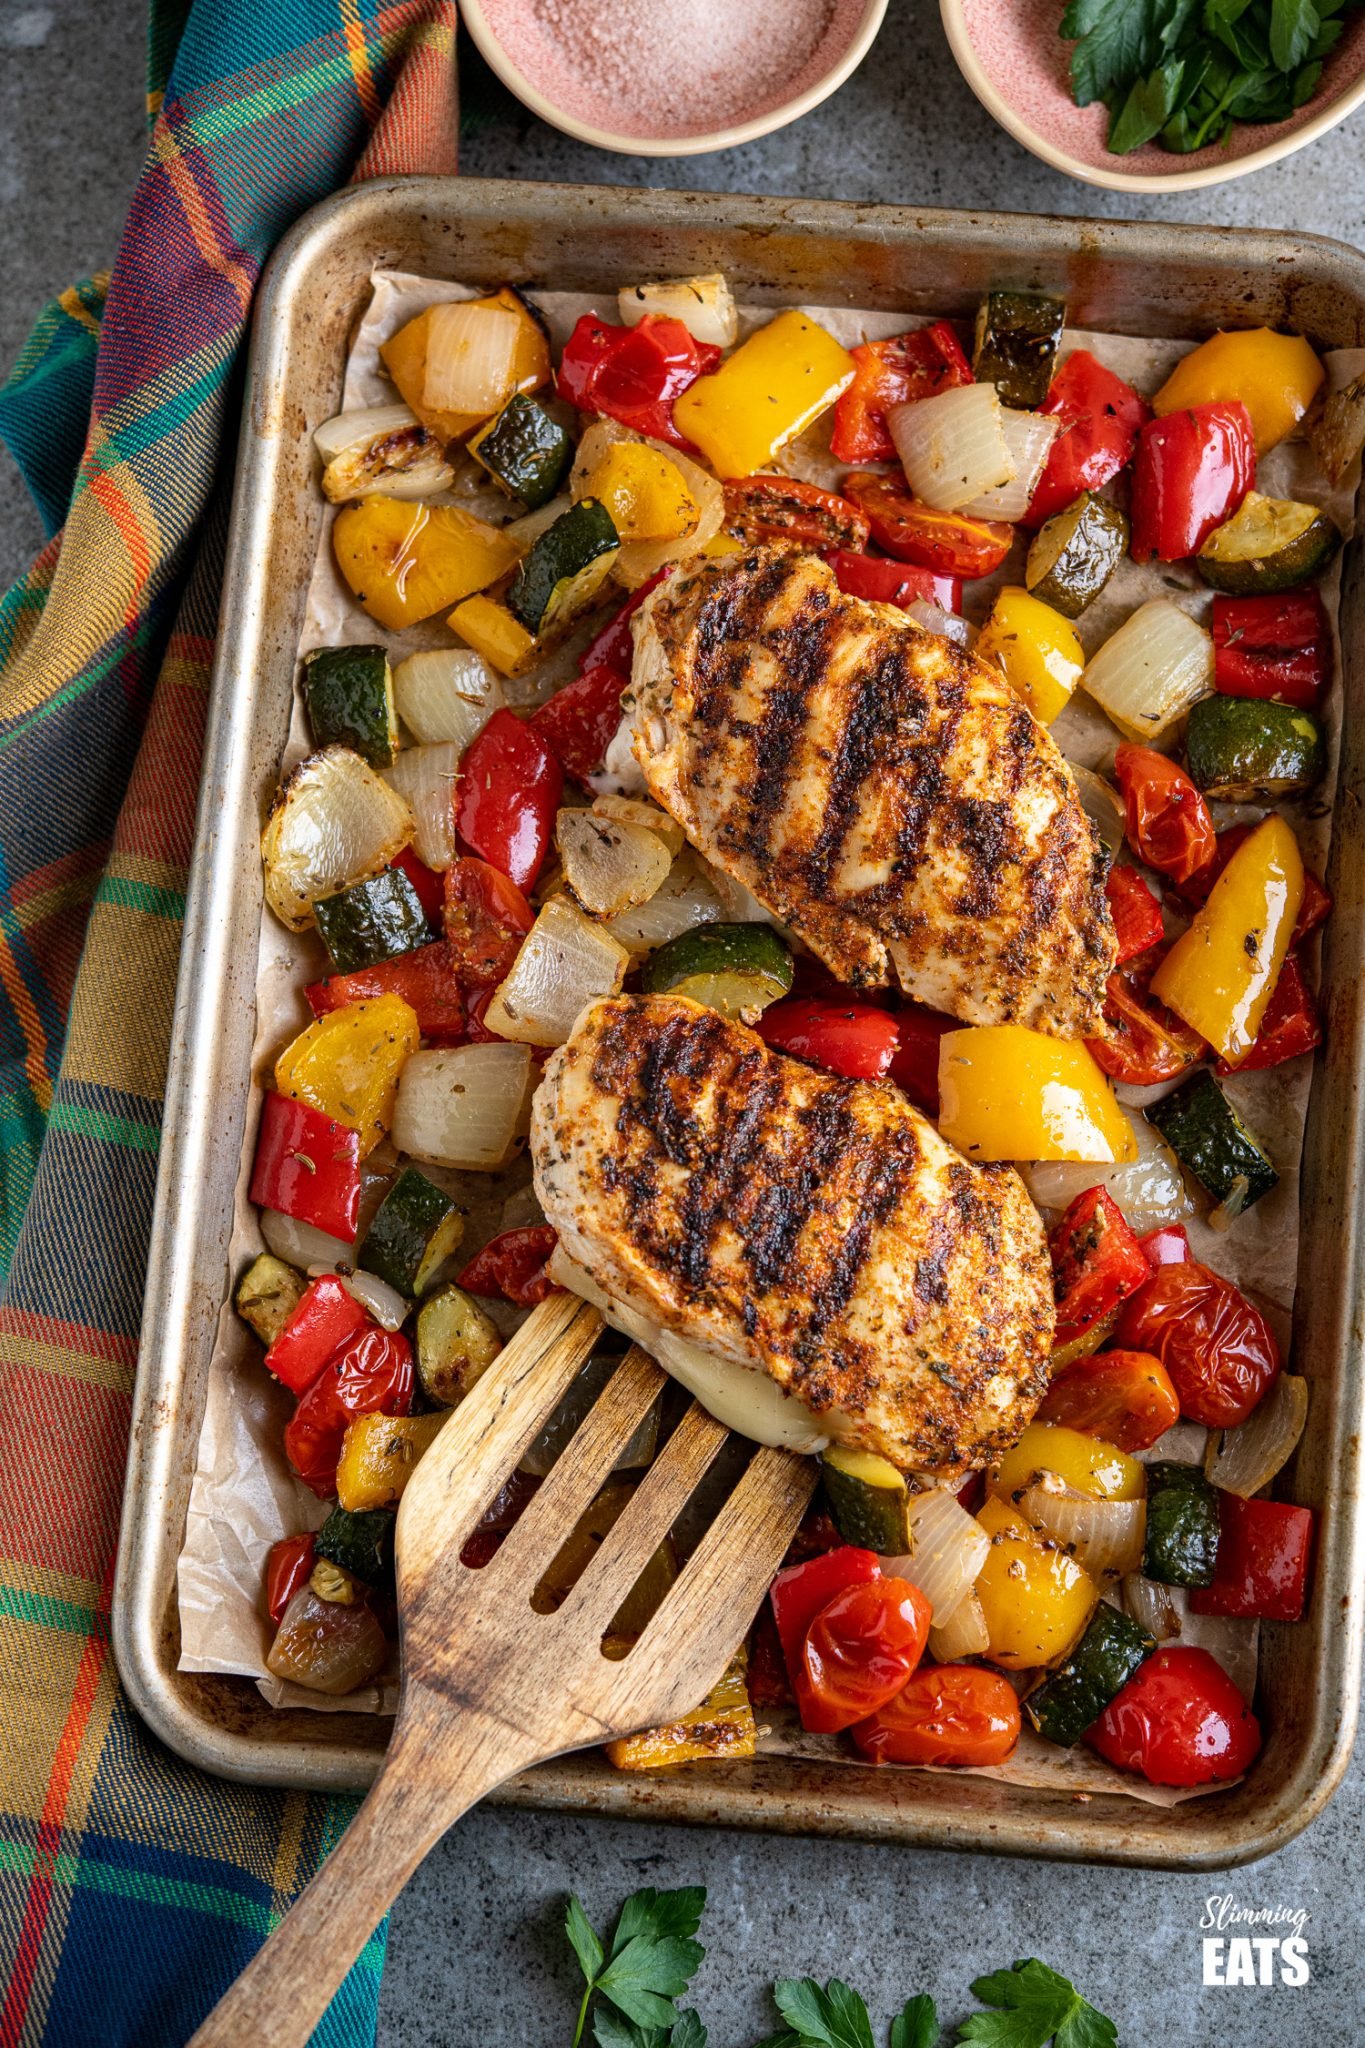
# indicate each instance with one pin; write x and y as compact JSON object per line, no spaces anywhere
{"x":1015,"y":62}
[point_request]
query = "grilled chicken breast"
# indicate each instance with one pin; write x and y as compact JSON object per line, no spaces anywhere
{"x":884,"y":795}
{"x":799,"y":1225}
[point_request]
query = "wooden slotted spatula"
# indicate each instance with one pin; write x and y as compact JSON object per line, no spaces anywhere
{"x":490,"y":1685}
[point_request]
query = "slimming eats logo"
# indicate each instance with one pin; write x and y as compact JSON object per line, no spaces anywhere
{"x":1261,"y":1956}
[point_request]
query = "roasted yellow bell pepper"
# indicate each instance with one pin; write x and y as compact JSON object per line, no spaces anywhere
{"x":1034,"y":1595}
{"x":1083,"y":1346}
{"x":1009,"y":1093}
{"x":1083,"y":1463}
{"x":405,"y":358}
{"x":405,"y":561}
{"x":1220,"y":974}
{"x":643,"y":491}
{"x":497,"y":634}
{"x":378,"y":1456}
{"x":347,"y":1064}
{"x":1035,"y":649}
{"x":722,"y":1726}
{"x":783,"y":377}
{"x":1276,"y":376}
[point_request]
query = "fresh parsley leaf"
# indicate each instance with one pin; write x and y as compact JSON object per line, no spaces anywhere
{"x":917,"y":2026}
{"x":643,"y":1978}
{"x":688,"y":2032}
{"x":660,"y":1914}
{"x":582,"y":1939}
{"x":833,"y":2018}
{"x":610,"y":2030}
{"x":1035,"y":2005}
{"x":1293,"y":25}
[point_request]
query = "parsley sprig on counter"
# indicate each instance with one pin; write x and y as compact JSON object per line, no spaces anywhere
{"x":653,"y":1957}
{"x":1182,"y":71}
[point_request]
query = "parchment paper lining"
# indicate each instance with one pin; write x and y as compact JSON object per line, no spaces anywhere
{"x":243,"y":1496}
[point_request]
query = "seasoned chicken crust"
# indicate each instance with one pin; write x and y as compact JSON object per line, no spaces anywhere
{"x":815,"y":1229}
{"x":886,"y":796}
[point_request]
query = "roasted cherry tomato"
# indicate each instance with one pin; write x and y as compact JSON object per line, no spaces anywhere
{"x":509,"y":791}
{"x":1313,"y":910}
{"x":855,"y":1039}
{"x":882,"y":581}
{"x":1168,"y":821}
{"x":858,"y":1652}
{"x":950,"y":542}
{"x":1168,"y":1245}
{"x":1291,"y":1024}
{"x":800,"y":1590}
{"x":1149,"y":1043}
{"x":914,"y":1065}
{"x":327,"y":1314}
{"x":1191,"y":472}
{"x":1135,"y":911}
{"x":890,"y":373}
{"x":1122,"y":1397}
{"x":1217,"y":1347}
{"x":634,"y":374}
{"x":486,"y":919}
{"x":761,"y":508}
{"x":512,"y":1264}
{"x":1100,"y":416}
{"x":956,"y":1715}
{"x":370,"y":1375}
{"x":1097,"y":1262}
{"x":1264,"y":1549}
{"x":289,"y":1566}
{"x":428,"y":978}
{"x":1180,"y":1720}
{"x":1278,"y":647}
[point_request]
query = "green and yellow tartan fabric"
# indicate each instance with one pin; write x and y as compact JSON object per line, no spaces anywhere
{"x":132,"y":1889}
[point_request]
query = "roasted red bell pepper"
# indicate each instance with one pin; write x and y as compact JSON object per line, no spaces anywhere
{"x":577,"y":724}
{"x":914,"y":1065}
{"x":288,"y":1568}
{"x":425,"y":881}
{"x":633,"y":374}
{"x":1168,"y":1245}
{"x":486,"y":918}
{"x":952,"y":543}
{"x":1097,"y":1262}
{"x":890,"y":373}
{"x":800,"y":1590}
{"x":428,"y":977}
{"x":1218,"y":1348}
{"x":370,"y":1375}
{"x":769,"y":508}
{"x":326,"y":1316}
{"x":1264,"y":1550}
{"x":512,"y":1265}
{"x":614,"y":645}
{"x":510,"y":786}
{"x":1180,"y":1720}
{"x":307,"y":1167}
{"x":855,"y":1039}
{"x":1291,"y":1024}
{"x":1168,"y":821}
{"x":1278,"y":647}
{"x":1135,"y":911}
{"x":1100,"y":416}
{"x":1148,"y":1042}
{"x":1313,"y":910}
{"x":882,"y":581}
{"x":1191,"y":472}
{"x":858,"y":1652}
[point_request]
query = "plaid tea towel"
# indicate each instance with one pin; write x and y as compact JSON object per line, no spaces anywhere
{"x":133,"y":1890}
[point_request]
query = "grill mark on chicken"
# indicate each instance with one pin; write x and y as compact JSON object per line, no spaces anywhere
{"x":880,"y":791}
{"x":806,"y":1226}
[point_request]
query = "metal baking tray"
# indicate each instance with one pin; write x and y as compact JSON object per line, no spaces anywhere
{"x":1148,"y":279}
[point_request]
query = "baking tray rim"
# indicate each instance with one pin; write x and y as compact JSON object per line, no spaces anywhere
{"x":149,"y":1545}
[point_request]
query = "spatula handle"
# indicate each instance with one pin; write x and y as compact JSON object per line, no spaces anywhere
{"x":285,"y":1989}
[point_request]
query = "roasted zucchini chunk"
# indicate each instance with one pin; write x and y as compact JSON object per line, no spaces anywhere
{"x":456,"y":1344}
{"x":525,"y":451}
{"x":735,"y":968}
{"x":1209,"y":1139}
{"x":1073,"y":556}
{"x":565,"y":568}
{"x":361,"y":1544}
{"x":372,"y":921}
{"x":1182,"y":1525}
{"x":267,"y":1294}
{"x":1074,"y":1696}
{"x":868,"y":1498}
{"x":1250,"y":750}
{"x":1017,"y":338}
{"x":1269,"y":544}
{"x":415,"y":1229}
{"x":348,"y":694}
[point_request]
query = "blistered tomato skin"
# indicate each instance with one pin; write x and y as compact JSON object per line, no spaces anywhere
{"x":1218,"y":1348}
{"x":1179,"y":1721}
{"x":947,"y":1715}
{"x":858,"y":1652}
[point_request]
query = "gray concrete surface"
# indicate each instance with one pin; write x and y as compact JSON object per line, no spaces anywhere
{"x":476,"y":1956}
